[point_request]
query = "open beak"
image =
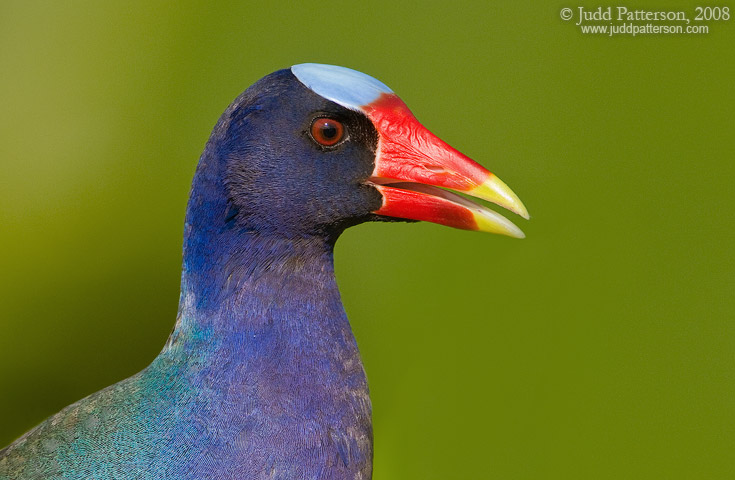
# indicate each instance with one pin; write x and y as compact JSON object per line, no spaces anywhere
{"x":414,"y":169}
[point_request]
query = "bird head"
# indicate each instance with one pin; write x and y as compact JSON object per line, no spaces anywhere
{"x":316,"y":148}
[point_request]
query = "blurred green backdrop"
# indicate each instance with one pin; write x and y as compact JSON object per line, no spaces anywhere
{"x":602,"y":346}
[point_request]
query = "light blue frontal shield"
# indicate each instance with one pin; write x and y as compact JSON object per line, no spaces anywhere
{"x":344,"y":86}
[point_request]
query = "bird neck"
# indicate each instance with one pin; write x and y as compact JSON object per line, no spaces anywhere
{"x":263,"y":342}
{"x":246,"y":282}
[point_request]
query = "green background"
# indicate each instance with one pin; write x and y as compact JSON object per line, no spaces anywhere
{"x":602,"y":346}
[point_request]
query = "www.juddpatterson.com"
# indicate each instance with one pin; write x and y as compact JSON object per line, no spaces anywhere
{"x":603,"y":20}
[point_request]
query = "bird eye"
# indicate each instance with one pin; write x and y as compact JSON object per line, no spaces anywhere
{"x":327,"y":131}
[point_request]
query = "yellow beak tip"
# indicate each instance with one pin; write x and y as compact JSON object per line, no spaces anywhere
{"x":496,"y":191}
{"x":492,"y":222}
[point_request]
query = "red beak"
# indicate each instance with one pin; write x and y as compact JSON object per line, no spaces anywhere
{"x":413,"y":167}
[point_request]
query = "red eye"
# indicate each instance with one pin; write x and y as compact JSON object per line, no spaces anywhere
{"x":327,"y":131}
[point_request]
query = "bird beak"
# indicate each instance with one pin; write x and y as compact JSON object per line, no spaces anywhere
{"x":413,"y":169}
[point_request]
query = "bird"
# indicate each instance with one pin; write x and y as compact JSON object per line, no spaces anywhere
{"x":261,"y":377}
